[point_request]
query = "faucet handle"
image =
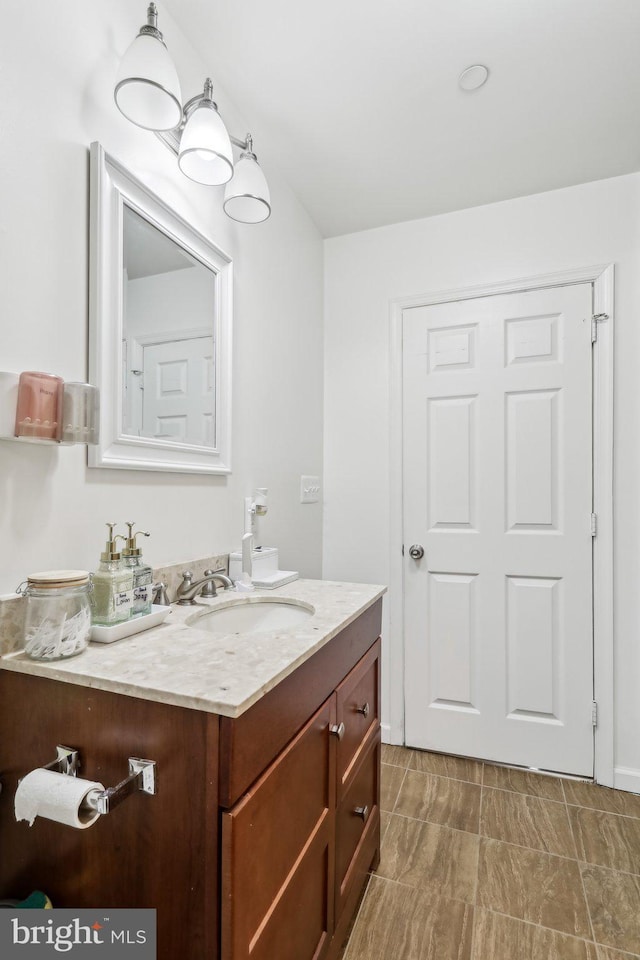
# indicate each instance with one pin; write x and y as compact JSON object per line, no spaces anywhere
{"x":160,"y":594}
{"x":209,"y":589}
{"x":187,"y":580}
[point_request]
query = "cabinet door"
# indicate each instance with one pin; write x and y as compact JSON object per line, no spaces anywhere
{"x":359,"y":710}
{"x":278,"y":853}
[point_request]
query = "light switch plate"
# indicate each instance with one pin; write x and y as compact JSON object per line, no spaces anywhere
{"x":309,"y":489}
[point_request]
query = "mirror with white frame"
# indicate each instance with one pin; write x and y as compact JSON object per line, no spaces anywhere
{"x":160,"y":331}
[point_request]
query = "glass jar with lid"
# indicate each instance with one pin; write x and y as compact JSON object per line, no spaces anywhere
{"x":58,"y":614}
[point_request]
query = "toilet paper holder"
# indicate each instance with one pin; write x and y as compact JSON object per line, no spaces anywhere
{"x":67,"y":761}
{"x":142,"y":777}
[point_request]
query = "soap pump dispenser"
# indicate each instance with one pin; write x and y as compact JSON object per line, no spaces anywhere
{"x":112,"y":586}
{"x":142,"y":573}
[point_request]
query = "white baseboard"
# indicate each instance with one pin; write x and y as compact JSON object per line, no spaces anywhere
{"x":626,"y":778}
{"x":391,"y":732}
{"x":385,"y":729}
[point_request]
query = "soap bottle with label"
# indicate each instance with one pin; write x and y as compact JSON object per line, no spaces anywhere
{"x":112,"y":586}
{"x":142,"y":574}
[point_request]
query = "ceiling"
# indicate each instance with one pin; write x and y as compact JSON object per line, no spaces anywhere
{"x":148,"y":251}
{"x":356,"y":102}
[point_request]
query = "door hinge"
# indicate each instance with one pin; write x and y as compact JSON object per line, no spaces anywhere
{"x":594,"y":714}
{"x":594,"y":524}
{"x":595,"y":320}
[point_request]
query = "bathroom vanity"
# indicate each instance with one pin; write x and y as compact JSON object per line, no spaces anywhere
{"x":266,"y":818}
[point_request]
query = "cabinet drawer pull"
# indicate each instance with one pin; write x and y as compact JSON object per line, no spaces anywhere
{"x":364,"y":710}
{"x":362,"y":812}
{"x":337,"y":730}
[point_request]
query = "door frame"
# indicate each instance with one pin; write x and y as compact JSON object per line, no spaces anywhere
{"x":602,"y":278}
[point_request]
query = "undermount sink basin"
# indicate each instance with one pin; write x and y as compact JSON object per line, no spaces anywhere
{"x":252,"y":615}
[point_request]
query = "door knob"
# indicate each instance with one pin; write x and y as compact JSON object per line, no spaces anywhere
{"x":416,"y":552}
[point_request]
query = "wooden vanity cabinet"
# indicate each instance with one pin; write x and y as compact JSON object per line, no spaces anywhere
{"x":297,"y":846}
{"x":253,"y":846}
{"x":277,"y":853}
{"x":158,"y":851}
{"x":358,"y":780}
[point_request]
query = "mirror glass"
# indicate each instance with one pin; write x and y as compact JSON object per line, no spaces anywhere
{"x":168,"y":378}
{"x":160,"y":327}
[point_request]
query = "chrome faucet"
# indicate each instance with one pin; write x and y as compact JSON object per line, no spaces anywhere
{"x":188,"y":590}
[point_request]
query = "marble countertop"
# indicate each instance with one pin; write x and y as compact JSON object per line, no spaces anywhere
{"x":222,"y":673}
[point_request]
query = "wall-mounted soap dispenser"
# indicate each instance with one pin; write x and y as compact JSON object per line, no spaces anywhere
{"x":39,"y":409}
{"x":80,"y":413}
{"x":42,"y":408}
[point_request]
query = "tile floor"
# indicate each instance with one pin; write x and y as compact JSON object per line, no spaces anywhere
{"x":480,"y":862}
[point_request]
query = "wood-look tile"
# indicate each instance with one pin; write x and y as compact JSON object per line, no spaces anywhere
{"x":526,"y":821}
{"x":614,"y":904}
{"x":532,"y":886}
{"x":606,"y":953}
{"x":385,"y":820}
{"x":453,"y":803}
{"x":602,"y":798}
{"x":496,"y":937}
{"x":398,"y":756}
{"x":459,"y":768}
{"x":429,"y":855}
{"x":404,"y":923}
{"x":390,"y":782}
{"x":523,"y":781}
{"x":606,"y":839}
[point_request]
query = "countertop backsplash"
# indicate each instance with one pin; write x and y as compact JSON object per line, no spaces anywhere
{"x":171,"y":574}
{"x":12,"y":610}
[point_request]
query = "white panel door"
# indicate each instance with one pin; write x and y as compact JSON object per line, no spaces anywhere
{"x":498,"y":491}
{"x":179,"y":391}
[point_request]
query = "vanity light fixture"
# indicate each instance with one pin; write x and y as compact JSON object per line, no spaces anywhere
{"x":147,"y":92}
{"x":205,"y":148}
{"x":147,"y":88}
{"x":246,"y":197}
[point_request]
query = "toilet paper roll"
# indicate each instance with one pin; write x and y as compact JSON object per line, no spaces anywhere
{"x":55,"y":796}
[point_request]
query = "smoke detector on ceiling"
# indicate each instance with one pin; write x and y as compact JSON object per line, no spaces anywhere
{"x":473,"y":78}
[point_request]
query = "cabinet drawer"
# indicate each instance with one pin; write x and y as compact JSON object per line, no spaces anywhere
{"x":358,"y":708}
{"x":277,"y":856}
{"x":358,"y":823}
{"x":250,"y":742}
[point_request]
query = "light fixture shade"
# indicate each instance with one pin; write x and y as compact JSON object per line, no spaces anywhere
{"x":246,"y":197}
{"x":205,"y":148}
{"x":147,"y":87}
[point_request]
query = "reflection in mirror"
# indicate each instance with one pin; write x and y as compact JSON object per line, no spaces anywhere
{"x":168,"y":343}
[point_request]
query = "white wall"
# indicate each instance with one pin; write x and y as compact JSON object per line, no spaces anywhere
{"x":58,"y":63}
{"x":168,"y":302}
{"x":576,"y":227}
